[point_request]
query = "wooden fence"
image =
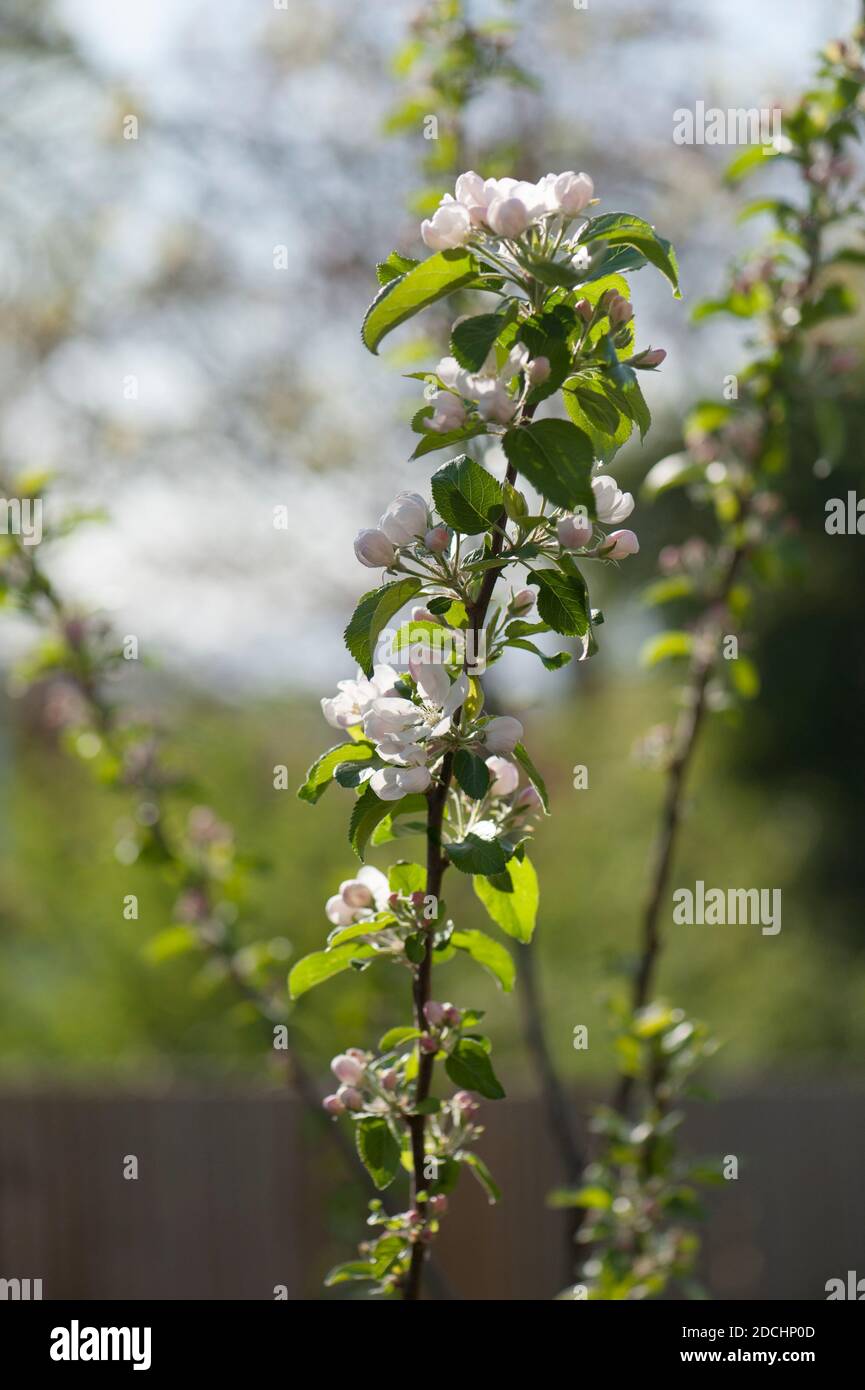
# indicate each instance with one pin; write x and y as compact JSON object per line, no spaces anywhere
{"x":238,"y":1193}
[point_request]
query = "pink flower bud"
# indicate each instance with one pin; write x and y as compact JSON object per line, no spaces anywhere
{"x":347,"y":1069}
{"x":434,"y":1013}
{"x":465,"y":1101}
{"x":373,"y":549}
{"x":528,"y":800}
{"x":438,"y":1205}
{"x":522,"y":602}
{"x":652,"y":357}
{"x":393,"y":901}
{"x":437,"y":539}
{"x":574,"y":532}
{"x":358,"y":1054}
{"x":428,"y":1043}
{"x":333,"y":1105}
{"x":508,"y":217}
{"x":390,"y":1079}
{"x":538,"y":371}
{"x":453,"y":1016}
{"x":423,"y":615}
{"x":503,"y":733}
{"x":505,"y":777}
{"x":351,"y":1098}
{"x":418,"y":899}
{"x":584,"y":309}
{"x":620,"y":311}
{"x":623,"y":543}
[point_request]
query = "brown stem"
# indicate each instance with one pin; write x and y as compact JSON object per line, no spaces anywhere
{"x":685,"y":738}
{"x":435,"y":869}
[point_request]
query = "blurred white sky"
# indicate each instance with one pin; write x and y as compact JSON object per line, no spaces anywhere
{"x":190,"y":560}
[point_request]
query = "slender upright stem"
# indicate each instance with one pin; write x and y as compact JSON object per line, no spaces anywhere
{"x":436,"y":865}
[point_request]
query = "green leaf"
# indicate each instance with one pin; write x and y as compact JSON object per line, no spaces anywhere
{"x":469,"y":1067}
{"x":466,"y":495}
{"x":624,"y":229}
{"x":366,"y":813}
{"x":472,"y":339}
{"x":551,"y":663}
{"x":533,"y":775}
{"x":394,"y":1037}
{"x":321,"y":965}
{"x":171,"y":942}
{"x":745,"y":677}
{"x":320,"y":775}
{"x":393,"y":266}
{"x":379,"y":1151}
{"x":563,"y":600}
{"x":479,"y":1169}
{"x":472,"y":774}
{"x":514,"y":910}
{"x":595,"y":1198}
{"x":474,"y":855}
{"x":665,"y":646}
{"x":390,"y":602}
{"x":391,"y":826}
{"x":352,"y":1269}
{"x":406,"y":878}
{"x":488,"y":953}
{"x":407,"y":294}
{"x":556,"y":458}
{"x":433,"y":440}
{"x":676,"y":470}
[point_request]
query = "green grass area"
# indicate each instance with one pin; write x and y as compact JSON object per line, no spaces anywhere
{"x":77,"y":994}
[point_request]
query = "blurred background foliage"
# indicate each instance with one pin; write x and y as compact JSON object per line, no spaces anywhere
{"x":262,"y":128}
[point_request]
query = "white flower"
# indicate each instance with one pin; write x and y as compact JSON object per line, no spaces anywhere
{"x":449,"y":413}
{"x":571,"y":192}
{"x":494,"y":404}
{"x":573,"y":532}
{"x":373,"y":549}
{"x":611,"y":504}
{"x":368,"y":889}
{"x":503,"y":733}
{"x":393,"y":783}
{"x":338,"y":911}
{"x":450,"y":373}
{"x":538,"y":371}
{"x":505,"y":777}
{"x":391,"y":716}
{"x":623,"y":543}
{"x":450,"y":226}
{"x":346,"y":709}
{"x":508,"y":217}
{"x":405,"y":519}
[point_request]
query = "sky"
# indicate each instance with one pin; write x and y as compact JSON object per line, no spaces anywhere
{"x":189,"y":559}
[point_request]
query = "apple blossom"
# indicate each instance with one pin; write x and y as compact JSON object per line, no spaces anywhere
{"x":392,"y":783}
{"x":453,"y":1016}
{"x":620,"y":311}
{"x":347,"y":709}
{"x":574,"y":532}
{"x":572,"y":192}
{"x":538,"y":370}
{"x":528,"y":800}
{"x":338,"y":911}
{"x":508,"y":217}
{"x":623,"y":543}
{"x":611,"y":504}
{"x":434,"y":1013}
{"x":427,"y":1043}
{"x":333,"y":1105}
{"x":350,"y":1097}
{"x":502,"y":734}
{"x":406,"y":518}
{"x":347,"y":1069}
{"x":373,"y":549}
{"x":652,"y":357}
{"x":450,"y":226}
{"x":522,"y":602}
{"x":449,"y":413}
{"x":505,"y":776}
{"x":437,"y":539}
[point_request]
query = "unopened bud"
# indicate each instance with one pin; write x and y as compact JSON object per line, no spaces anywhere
{"x":584,"y":309}
{"x":453,"y":1016}
{"x":652,"y":357}
{"x":347,"y":1069}
{"x":437,"y":539}
{"x":538,"y":371}
{"x":390,"y":1079}
{"x":438,"y":1205}
{"x":333,"y":1105}
{"x":350,"y":1097}
{"x":428,"y":1043}
{"x":434,"y":1013}
{"x":522,"y":602}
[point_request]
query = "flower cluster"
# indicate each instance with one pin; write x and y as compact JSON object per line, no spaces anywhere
{"x":505,"y":208}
